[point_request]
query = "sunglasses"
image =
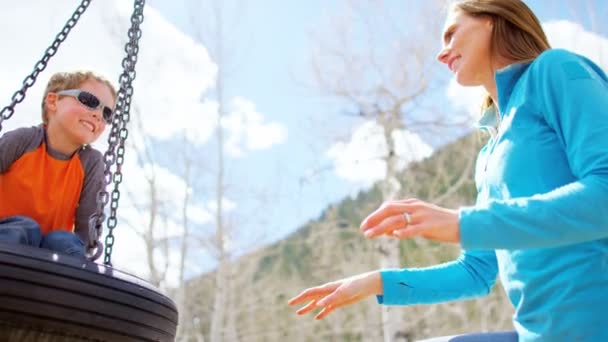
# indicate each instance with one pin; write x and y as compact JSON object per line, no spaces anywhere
{"x":89,"y":100}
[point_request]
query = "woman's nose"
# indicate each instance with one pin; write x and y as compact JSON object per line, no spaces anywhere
{"x":442,"y":56}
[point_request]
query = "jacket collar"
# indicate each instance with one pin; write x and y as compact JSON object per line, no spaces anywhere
{"x":506,"y":79}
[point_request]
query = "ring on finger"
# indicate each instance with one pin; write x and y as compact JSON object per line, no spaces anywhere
{"x":408,"y":218}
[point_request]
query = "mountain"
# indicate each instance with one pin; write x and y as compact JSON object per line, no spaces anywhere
{"x":331,"y":247}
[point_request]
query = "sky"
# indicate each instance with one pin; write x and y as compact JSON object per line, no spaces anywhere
{"x":290,"y":149}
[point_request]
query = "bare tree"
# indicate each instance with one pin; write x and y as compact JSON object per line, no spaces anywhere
{"x":150,"y":207}
{"x":189,"y":168}
{"x":215,"y":33}
{"x":159,"y":215}
{"x":378,"y":67}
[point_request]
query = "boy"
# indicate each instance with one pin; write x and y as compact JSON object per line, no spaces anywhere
{"x":49,"y":174}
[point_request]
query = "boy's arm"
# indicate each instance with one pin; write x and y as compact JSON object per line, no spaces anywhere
{"x":92,"y":162}
{"x":15,"y":143}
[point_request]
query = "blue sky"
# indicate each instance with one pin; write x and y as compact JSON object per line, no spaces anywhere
{"x":271,"y":193}
{"x":275,"y":74}
{"x":273,"y":71}
{"x":273,"y":60}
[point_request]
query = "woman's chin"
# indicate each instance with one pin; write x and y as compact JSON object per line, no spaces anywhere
{"x":465,"y":81}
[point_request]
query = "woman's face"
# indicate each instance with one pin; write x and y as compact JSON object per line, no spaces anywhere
{"x":466,"y":48}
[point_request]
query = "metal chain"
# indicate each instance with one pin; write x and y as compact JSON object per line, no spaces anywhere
{"x":119,"y":132}
{"x":29,"y":81}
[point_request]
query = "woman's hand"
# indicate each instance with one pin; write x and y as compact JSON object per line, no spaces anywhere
{"x":339,"y":293}
{"x":412,"y":217}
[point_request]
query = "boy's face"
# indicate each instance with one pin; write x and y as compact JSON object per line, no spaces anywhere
{"x":78,"y":123}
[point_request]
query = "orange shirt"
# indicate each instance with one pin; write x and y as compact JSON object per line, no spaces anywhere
{"x":42,"y":188}
{"x":57,"y":191}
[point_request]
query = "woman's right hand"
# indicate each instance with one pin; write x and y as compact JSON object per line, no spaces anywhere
{"x":336,"y":294}
{"x":411,"y":217}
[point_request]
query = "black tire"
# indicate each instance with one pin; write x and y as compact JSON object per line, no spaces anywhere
{"x":50,"y":297}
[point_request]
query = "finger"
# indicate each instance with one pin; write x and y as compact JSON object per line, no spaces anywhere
{"x":386,"y":210}
{"x":306,"y":309}
{"x":388,"y":225}
{"x":409,"y":232}
{"x":326,"y":311}
{"x":329,"y":309}
{"x":312,"y":293}
{"x":302,"y":297}
{"x":337,"y":296}
{"x":379,"y":215}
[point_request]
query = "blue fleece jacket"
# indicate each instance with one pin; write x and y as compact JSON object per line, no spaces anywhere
{"x":541,"y":217}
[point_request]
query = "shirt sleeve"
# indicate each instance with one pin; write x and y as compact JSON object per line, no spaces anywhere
{"x":92,"y":161}
{"x":573,"y":93}
{"x":473,"y":274}
{"x":15,"y":143}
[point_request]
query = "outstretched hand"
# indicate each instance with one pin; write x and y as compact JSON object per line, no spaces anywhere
{"x":412,"y":217}
{"x":331,"y":296}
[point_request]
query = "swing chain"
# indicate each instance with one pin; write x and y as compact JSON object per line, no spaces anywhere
{"x":29,"y":81}
{"x":119,"y":132}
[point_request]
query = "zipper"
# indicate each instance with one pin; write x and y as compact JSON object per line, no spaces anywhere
{"x":494,"y":143}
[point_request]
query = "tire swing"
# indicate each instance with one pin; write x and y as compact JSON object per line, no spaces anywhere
{"x":50,"y":297}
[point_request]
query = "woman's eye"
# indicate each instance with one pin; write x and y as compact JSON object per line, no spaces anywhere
{"x":448,"y":36}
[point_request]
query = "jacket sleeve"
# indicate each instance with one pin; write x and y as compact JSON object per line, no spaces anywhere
{"x":573,"y":95}
{"x":473,"y":274}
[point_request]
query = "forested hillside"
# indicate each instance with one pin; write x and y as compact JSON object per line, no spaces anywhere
{"x":331,"y":247}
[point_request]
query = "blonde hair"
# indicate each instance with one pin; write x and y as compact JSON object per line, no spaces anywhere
{"x":517,"y":34}
{"x":71,"y":80}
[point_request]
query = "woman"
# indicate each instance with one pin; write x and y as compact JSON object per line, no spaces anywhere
{"x":541,"y":218}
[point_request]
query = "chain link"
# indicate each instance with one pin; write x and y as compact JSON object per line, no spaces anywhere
{"x":118,"y":135}
{"x":29,"y":81}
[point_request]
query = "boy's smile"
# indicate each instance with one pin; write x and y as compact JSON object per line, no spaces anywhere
{"x":73,"y":124}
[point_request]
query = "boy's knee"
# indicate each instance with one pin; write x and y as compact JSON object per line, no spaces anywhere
{"x":19,"y":221}
{"x":64,"y":242}
{"x":20,"y":230}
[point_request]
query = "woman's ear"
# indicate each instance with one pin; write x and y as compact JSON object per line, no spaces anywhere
{"x":490,"y":23}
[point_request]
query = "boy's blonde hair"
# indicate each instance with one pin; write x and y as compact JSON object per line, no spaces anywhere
{"x":71,"y":80}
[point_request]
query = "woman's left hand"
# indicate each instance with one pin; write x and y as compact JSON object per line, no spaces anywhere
{"x":412,"y":217}
{"x":338,"y":293}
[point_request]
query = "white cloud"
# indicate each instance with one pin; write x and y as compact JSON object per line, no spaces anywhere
{"x":134,"y":216}
{"x":248,"y":130}
{"x":173,"y":74}
{"x":572,"y":36}
{"x":196,"y":120}
{"x":227,"y":205}
{"x":361,"y":160}
{"x":199,"y":215}
{"x":561,"y":34}
{"x":172,"y":70}
{"x":466,"y":99}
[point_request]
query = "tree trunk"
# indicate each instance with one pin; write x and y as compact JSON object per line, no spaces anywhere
{"x":219,"y":304}
{"x":184,"y":315}
{"x":389,"y":247}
